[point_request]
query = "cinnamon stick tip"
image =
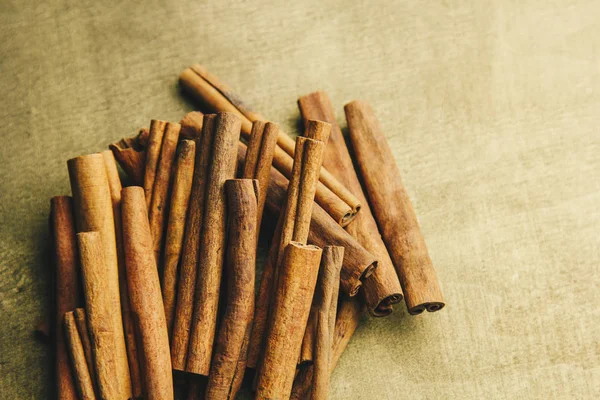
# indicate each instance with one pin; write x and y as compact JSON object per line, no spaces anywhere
{"x":430,"y":307}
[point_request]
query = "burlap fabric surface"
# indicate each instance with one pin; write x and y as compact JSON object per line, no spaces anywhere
{"x":492,"y":109}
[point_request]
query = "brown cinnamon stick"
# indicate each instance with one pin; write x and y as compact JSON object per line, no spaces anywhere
{"x":191,"y":125}
{"x":145,"y":295}
{"x":131,"y":155}
{"x":180,"y":196}
{"x":259,"y":158}
{"x":108,"y":344}
{"x":335,"y":198}
{"x":157,"y":131}
{"x":295,"y":289}
{"x":382,"y":288}
{"x":191,"y":243}
{"x":318,"y":336}
{"x":159,"y":204}
{"x":240,"y":270}
{"x":82,"y":328}
{"x":93,"y":212}
{"x":67,"y":286}
{"x":82,"y":375}
{"x":393,"y":210}
{"x":114,"y":183}
{"x":212,"y":243}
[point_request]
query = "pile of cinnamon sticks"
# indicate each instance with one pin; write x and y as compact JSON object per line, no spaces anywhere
{"x":155,"y":281}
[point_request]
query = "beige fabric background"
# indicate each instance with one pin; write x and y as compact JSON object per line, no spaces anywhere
{"x":492,"y":109}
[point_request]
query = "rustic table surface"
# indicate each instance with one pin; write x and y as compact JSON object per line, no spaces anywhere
{"x":492,"y":109}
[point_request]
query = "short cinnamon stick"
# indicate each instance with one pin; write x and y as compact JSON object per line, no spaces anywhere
{"x":212,"y":243}
{"x":94,"y":212}
{"x":180,"y":196}
{"x":114,"y":183}
{"x":67,"y":286}
{"x":318,"y":336}
{"x":145,"y":295}
{"x":82,"y":375}
{"x":82,"y":328}
{"x":382,"y":288}
{"x":108,"y":344}
{"x":295,"y":289}
{"x":259,"y":158}
{"x":191,"y":243}
{"x":217,"y":96}
{"x":240,"y":271}
{"x":393,"y":210}
{"x":157,"y":131}
{"x":159,"y":204}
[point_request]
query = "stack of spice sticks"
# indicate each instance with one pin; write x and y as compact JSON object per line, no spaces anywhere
{"x":155,"y":281}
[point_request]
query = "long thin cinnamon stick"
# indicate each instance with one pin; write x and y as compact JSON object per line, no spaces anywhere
{"x":333,"y":197}
{"x":180,"y":196}
{"x":316,"y":345}
{"x":294,"y":294}
{"x":146,"y":300}
{"x":114,"y":183}
{"x":212,"y":243}
{"x":67,"y":286}
{"x":93,"y":212}
{"x":160,"y":199}
{"x":259,"y":158}
{"x":83,"y":378}
{"x":82,"y":328}
{"x":393,"y":210}
{"x":157,"y":131}
{"x":240,"y":270}
{"x":190,"y":253}
{"x":382,"y":288}
{"x":108,"y":344}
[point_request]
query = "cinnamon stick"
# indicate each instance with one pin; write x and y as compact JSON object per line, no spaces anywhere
{"x":212,"y":243}
{"x":157,"y":131}
{"x":93,"y":212}
{"x":191,"y":243}
{"x":145,"y":295}
{"x":114,"y":183}
{"x":82,"y":328}
{"x":159,"y":203}
{"x":382,"y":288}
{"x":240,"y":271}
{"x":108,"y":344}
{"x":318,"y":336}
{"x":180,"y":196}
{"x":259,"y":158}
{"x":191,"y":125}
{"x":82,"y":375}
{"x":295,"y":289}
{"x":131,"y":156}
{"x":217,"y":96}
{"x":67,"y":286}
{"x":393,"y":210}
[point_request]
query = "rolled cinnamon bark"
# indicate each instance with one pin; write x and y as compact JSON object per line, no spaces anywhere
{"x":131,"y":156}
{"x":212,"y":244}
{"x":382,"y":288}
{"x":114,"y":182}
{"x":295,"y":289}
{"x":393,"y":210}
{"x":318,"y":336}
{"x":240,"y":272}
{"x":67,"y":286}
{"x":82,"y":328}
{"x":157,"y":131}
{"x":358,"y":263}
{"x":106,"y":333}
{"x":191,"y":125}
{"x":207,"y":88}
{"x":83,"y":377}
{"x":145,"y":295}
{"x":259,"y":158}
{"x":180,"y":196}
{"x":191,"y":243}
{"x":93,"y":212}
{"x":160,"y":193}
